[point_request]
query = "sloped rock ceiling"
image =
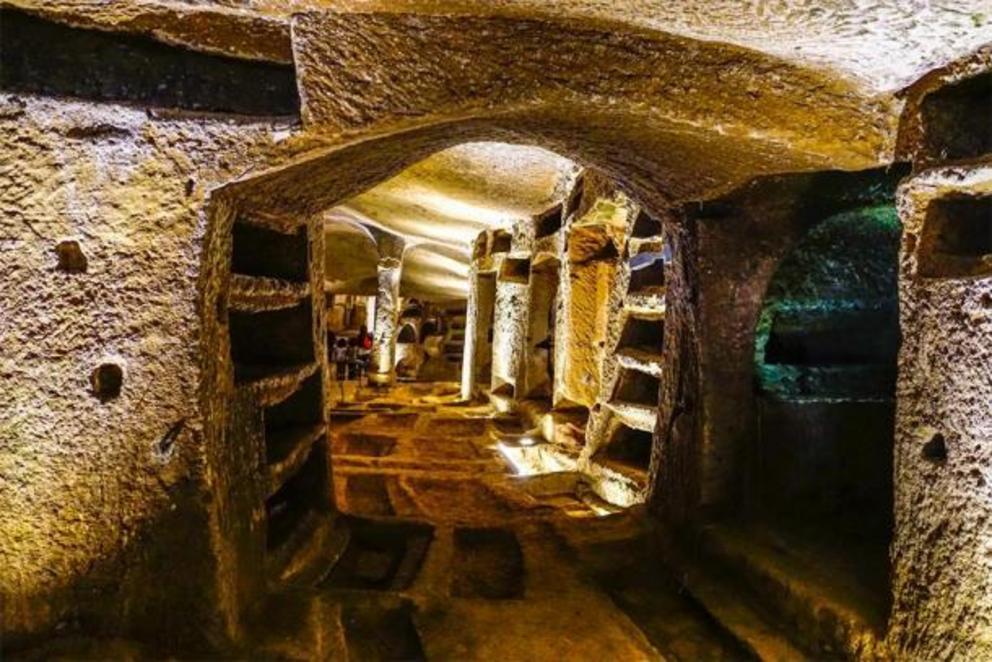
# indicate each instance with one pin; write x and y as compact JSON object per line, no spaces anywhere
{"x":439,"y":206}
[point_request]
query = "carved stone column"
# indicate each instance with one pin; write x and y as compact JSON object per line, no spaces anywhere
{"x":387,"y":302}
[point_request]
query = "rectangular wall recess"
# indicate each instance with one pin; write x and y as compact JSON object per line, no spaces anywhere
{"x":957,"y":119}
{"x":957,"y":238}
{"x":48,"y":58}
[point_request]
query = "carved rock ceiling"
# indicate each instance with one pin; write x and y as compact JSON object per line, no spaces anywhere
{"x":439,"y":206}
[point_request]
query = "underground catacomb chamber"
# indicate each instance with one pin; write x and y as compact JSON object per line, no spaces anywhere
{"x":543,"y":386}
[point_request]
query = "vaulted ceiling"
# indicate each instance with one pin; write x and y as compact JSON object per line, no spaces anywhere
{"x":439,"y":206}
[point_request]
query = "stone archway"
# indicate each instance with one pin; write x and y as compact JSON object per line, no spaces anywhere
{"x":662,"y":155}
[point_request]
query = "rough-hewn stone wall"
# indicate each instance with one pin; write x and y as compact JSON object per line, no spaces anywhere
{"x":942,"y":551}
{"x":103,"y":490}
{"x":741,"y":240}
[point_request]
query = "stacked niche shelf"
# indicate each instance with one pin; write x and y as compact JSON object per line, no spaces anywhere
{"x":274,"y":352}
{"x":628,"y":449}
{"x":632,"y":394}
{"x":645,"y":227}
{"x":647,"y":274}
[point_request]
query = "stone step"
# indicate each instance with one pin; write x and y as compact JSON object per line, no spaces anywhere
{"x":735,"y":610}
{"x":812,"y":591}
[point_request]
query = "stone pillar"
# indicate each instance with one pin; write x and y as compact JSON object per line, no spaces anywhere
{"x":510,"y":325}
{"x":382,"y":369}
{"x":471,"y":330}
{"x":942,"y":548}
{"x":587,"y":281}
{"x":538,"y":361}
{"x":478,"y":323}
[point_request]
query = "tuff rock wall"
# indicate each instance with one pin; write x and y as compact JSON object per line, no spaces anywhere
{"x":104,"y":476}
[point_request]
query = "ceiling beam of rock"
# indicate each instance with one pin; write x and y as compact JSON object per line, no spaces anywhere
{"x":882,"y":46}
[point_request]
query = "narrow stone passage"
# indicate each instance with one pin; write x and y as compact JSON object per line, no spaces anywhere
{"x":449,"y":554}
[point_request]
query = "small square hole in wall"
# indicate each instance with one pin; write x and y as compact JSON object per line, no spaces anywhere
{"x":957,"y":238}
{"x":957,"y":119}
{"x":502,"y":241}
{"x":106,"y":381}
{"x":549,"y":223}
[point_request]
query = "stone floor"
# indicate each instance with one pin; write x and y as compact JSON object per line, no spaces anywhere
{"x":452,"y":556}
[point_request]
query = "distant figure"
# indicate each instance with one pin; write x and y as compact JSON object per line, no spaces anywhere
{"x":340,"y":358}
{"x":352,"y":358}
{"x":364,"y":348}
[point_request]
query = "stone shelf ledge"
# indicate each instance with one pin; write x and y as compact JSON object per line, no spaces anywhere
{"x":309,"y":551}
{"x":290,"y":449}
{"x":640,"y":360}
{"x":638,"y":417}
{"x":273,"y":384}
{"x":257,"y":293}
{"x":645,"y":306}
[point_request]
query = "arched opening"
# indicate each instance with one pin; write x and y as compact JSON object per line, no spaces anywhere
{"x":825,"y":354}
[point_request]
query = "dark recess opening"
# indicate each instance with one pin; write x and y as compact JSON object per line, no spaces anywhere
{"x":643,"y":334}
{"x":272,"y":337}
{"x":300,"y":409}
{"x":637,"y":387}
{"x":259,"y":251}
{"x":107,"y":381}
{"x":831,"y":337}
{"x":301,"y":495}
{"x":549,"y":223}
{"x":72,"y":260}
{"x":428,"y":329}
{"x":488,"y":564}
{"x":42,"y":57}
{"x":515,"y":270}
{"x":645,"y":226}
{"x":957,"y":119}
{"x":575,"y":197}
{"x":412,"y":310}
{"x":502,"y":241}
{"x":935,"y":450}
{"x":647,"y":272}
{"x":380,"y":556}
{"x":630,"y":447}
{"x":957,"y":237}
{"x":375,"y":632}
